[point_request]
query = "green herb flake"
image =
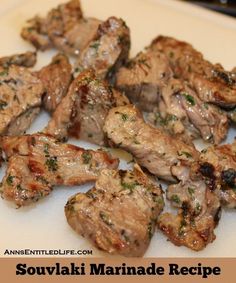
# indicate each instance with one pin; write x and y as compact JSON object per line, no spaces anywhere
{"x":187,"y":154}
{"x":4,"y":73}
{"x":124,"y":117}
{"x":87,"y":156}
{"x":46,"y":150}
{"x":191,"y":191}
{"x":95,"y":45}
{"x":105,"y":218}
{"x":175,"y":199}
{"x":189,"y":99}
{"x":52,"y":164}
{"x":3,"y":104}
{"x":182,"y":226}
{"x":9,"y":180}
{"x":129,"y":186}
{"x":171,"y":54}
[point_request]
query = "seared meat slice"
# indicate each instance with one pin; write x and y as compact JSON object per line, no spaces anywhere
{"x":108,"y":50}
{"x":56,"y":78}
{"x":20,"y":99}
{"x":38,"y":162}
{"x":83,"y":110}
{"x":64,"y":28}
{"x":211,"y":82}
{"x":143,"y":77}
{"x":182,"y":112}
{"x":218,"y":166}
{"x":152,"y":148}
{"x":119,"y":214}
{"x":27,"y":59}
{"x":198,"y":215}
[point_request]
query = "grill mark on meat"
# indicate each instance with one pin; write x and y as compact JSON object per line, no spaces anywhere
{"x":108,"y":50}
{"x":41,"y":159}
{"x":56,"y":78}
{"x":211,"y":82}
{"x":83,"y":110}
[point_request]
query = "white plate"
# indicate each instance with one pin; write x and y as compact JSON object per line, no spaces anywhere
{"x":43,"y":226}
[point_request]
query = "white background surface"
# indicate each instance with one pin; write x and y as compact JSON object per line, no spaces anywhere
{"x":43,"y":226}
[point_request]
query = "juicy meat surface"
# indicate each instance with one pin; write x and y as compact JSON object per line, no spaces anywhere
{"x":211,"y":82}
{"x":151,"y":148}
{"x":143,"y":77}
{"x":64,"y":28}
{"x":182,"y":112}
{"x":119,"y":214}
{"x":39,"y":162}
{"x":198,"y":215}
{"x":27,"y":59}
{"x":56,"y":78}
{"x":218,"y":166}
{"x":83,"y":110}
{"x":149,"y":82}
{"x":109,"y":49}
{"x":20,"y":95}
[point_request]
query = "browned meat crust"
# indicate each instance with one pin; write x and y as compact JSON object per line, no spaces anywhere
{"x":119,"y":214}
{"x":39,"y":162}
{"x":83,"y":110}
{"x":108,"y":50}
{"x":27,"y":59}
{"x":211,"y":82}
{"x":20,"y":96}
{"x":199,"y":212}
{"x":152,"y":148}
{"x":56,"y":78}
{"x":218,"y":166}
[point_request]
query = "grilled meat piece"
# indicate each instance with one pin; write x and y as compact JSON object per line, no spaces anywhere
{"x":64,"y":28}
{"x":36,"y":33}
{"x":199,"y":212}
{"x":152,"y":148}
{"x":211,"y":82}
{"x":56,"y":78}
{"x":27,"y":59}
{"x":143,"y":78}
{"x":218,"y":166}
{"x":20,"y":99}
{"x":38,"y":162}
{"x":149,"y":82}
{"x":182,"y":112}
{"x":119,"y":214}
{"x":108,"y":50}
{"x":83,"y":110}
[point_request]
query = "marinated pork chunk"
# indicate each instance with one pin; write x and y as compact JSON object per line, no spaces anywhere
{"x":27,"y":59}
{"x":218,"y":166}
{"x":83,"y":110}
{"x":143,"y":78}
{"x":20,"y":99}
{"x":64,"y":28}
{"x":38,"y":162}
{"x":182,"y":112}
{"x":56,"y":78}
{"x":149,"y":82}
{"x":151,"y":147}
{"x":211,"y":82}
{"x":199,"y":211}
{"x":119,"y":214}
{"x":108,"y":50}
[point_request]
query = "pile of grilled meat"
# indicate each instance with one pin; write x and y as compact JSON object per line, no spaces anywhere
{"x":100,"y":99}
